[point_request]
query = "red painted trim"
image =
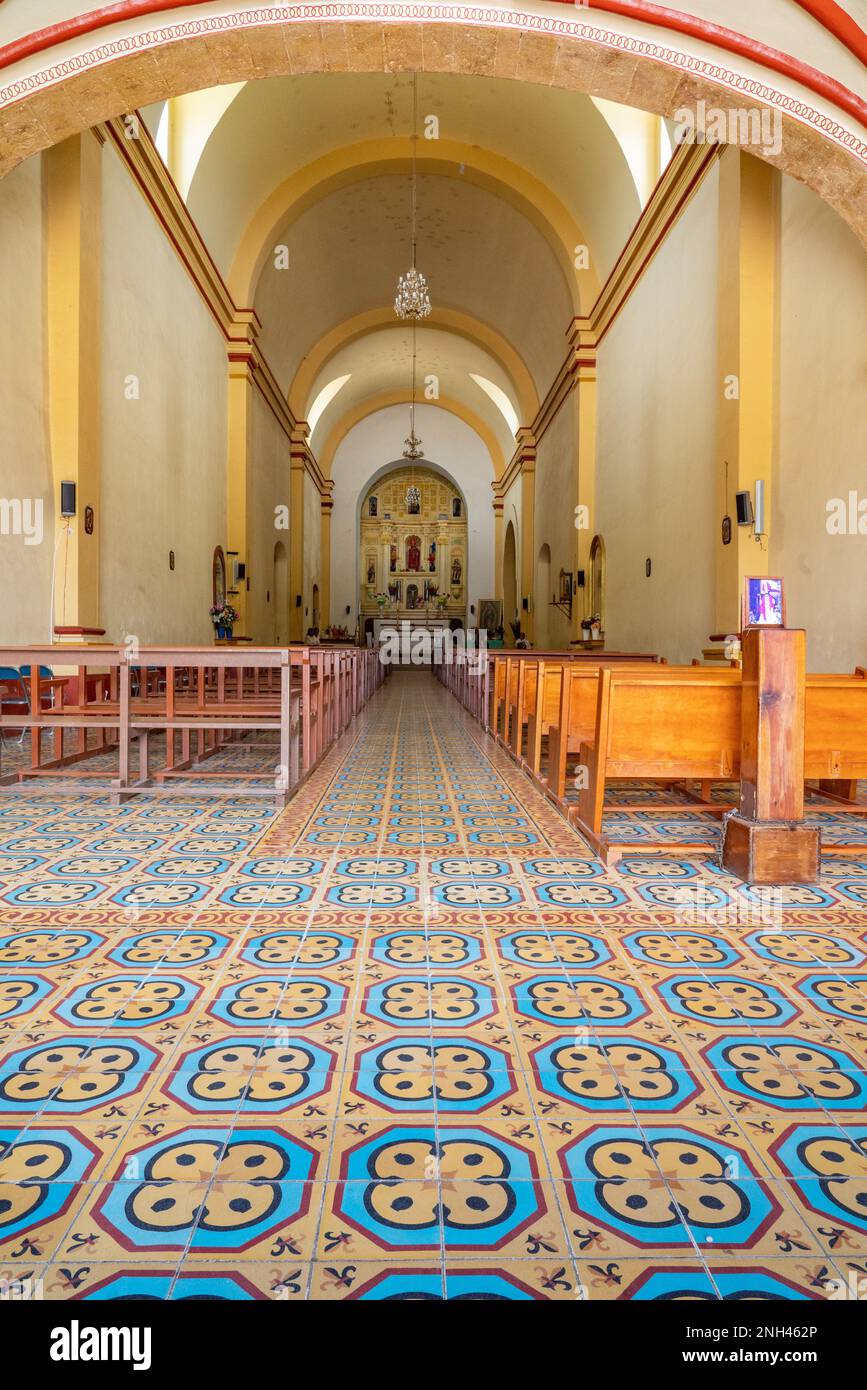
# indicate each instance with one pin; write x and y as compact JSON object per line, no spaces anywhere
{"x":826,"y":12}
{"x":732,"y":42}
{"x":839,"y":23}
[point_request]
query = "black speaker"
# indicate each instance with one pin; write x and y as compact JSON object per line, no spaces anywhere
{"x":67,"y":499}
{"x":744,"y":505}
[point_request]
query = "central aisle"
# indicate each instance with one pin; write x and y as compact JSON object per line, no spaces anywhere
{"x":413,"y":1041}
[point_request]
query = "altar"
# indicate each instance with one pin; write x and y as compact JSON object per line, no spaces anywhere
{"x":403,"y":641}
{"x":413,"y":549}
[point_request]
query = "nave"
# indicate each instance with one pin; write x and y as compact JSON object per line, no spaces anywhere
{"x":409,"y":1038}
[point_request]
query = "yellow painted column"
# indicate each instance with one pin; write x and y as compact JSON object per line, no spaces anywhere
{"x":526,"y":560}
{"x":498,"y":552}
{"x":327,"y":506}
{"x":747,"y":365}
{"x":240,"y":431}
{"x":297,"y":471}
{"x":583,"y":342}
{"x":72,"y":174}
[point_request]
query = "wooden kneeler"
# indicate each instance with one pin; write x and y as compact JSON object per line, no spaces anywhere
{"x":767,"y":841}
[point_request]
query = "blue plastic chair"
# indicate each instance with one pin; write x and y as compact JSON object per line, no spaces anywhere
{"x":13,"y":696}
{"x":44,"y":671}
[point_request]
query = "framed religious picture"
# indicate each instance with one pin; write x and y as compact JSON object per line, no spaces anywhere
{"x":490,"y":612}
{"x":763,"y":603}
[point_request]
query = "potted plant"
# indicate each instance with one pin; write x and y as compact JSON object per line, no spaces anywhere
{"x":224,"y":617}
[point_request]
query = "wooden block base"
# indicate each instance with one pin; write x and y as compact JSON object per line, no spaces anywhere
{"x":771,"y":852}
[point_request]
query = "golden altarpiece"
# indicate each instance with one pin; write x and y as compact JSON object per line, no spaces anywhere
{"x":413,"y":547}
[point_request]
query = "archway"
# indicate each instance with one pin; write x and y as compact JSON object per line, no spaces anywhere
{"x":280,"y":592}
{"x":413,"y":544}
{"x":596,"y":589}
{"x":510,"y":583}
{"x":62,"y":80}
{"x":218,"y":578}
{"x":543,"y":597}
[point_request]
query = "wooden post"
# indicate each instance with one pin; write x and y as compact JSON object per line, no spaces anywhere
{"x":767,"y":840}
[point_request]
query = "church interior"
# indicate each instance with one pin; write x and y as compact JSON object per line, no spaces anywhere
{"x":530,"y":963}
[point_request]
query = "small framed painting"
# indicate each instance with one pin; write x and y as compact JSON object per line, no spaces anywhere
{"x":763,"y":603}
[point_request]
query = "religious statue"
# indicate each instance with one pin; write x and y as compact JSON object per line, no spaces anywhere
{"x":432,"y":557}
{"x":392,"y":564}
{"x":413,"y":553}
{"x":456,"y":506}
{"x":372,"y":506}
{"x":457,"y":569}
{"x":371,"y":572}
{"x":413,"y":501}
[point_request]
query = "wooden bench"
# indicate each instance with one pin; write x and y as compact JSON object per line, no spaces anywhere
{"x":673,"y":726}
{"x":294,"y":701}
{"x":514,"y":699}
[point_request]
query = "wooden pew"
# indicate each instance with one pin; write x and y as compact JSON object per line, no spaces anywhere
{"x":678,"y":724}
{"x":299,"y":698}
{"x":515,"y":709}
{"x":835,"y":743}
{"x":684,"y":724}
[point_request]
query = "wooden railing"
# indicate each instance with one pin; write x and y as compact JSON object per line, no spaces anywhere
{"x":170,"y":710}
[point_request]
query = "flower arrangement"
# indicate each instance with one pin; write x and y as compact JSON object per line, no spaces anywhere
{"x":441,"y":601}
{"x":382,"y":598}
{"x":224,"y":617}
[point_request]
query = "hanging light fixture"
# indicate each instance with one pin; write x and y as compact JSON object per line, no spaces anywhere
{"x":413,"y":300}
{"x":412,"y":449}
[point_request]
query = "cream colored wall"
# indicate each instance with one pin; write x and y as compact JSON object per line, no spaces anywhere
{"x":25,"y":466}
{"x":657,"y":402}
{"x":555,"y":525}
{"x":822,"y":428}
{"x":164,"y":455}
{"x":268,"y":488}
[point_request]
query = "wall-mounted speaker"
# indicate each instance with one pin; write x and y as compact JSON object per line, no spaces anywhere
{"x":67,"y":499}
{"x":744,"y":505}
{"x":760,"y":507}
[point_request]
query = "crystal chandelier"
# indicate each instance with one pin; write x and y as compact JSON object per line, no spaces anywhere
{"x":412,"y":300}
{"x":412,"y":447}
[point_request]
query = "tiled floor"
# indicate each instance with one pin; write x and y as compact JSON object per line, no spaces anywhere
{"x":409,"y":1039}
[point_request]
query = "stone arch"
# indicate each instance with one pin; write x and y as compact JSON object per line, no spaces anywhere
{"x":65,"y":80}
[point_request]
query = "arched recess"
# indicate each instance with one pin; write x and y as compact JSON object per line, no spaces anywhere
{"x":543,"y":597}
{"x":510,"y":583}
{"x":596,"y":588}
{"x":453,"y":320}
{"x":62,"y":81}
{"x":280,"y":592}
{"x":453,"y":159}
{"x":219,"y":583}
{"x":451,"y":531}
{"x":387,"y":398}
